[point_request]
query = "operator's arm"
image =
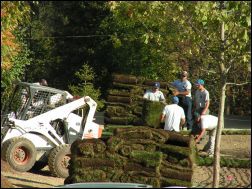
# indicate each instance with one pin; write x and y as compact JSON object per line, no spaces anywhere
{"x":200,"y":135}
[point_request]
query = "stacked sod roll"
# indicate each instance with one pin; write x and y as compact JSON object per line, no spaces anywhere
{"x":124,"y":103}
{"x":142,"y":155}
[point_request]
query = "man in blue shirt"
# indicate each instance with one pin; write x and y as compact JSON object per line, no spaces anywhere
{"x":183,"y":92}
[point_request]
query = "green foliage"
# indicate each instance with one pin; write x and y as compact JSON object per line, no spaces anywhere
{"x":224,"y":162}
{"x":236,"y":132}
{"x":142,"y":36}
{"x":200,"y":42}
{"x":62,"y":39}
{"x":86,"y":76}
{"x":15,"y":54}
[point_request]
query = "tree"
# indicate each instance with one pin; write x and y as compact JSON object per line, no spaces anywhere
{"x":85,"y":87}
{"x":219,"y":37}
{"x":143,"y":36}
{"x":14,"y":51}
{"x":62,"y":39}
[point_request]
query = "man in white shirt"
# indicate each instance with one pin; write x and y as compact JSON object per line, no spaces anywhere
{"x":173,"y":115}
{"x":183,"y":92}
{"x":209,"y":123}
{"x":155,"y":94}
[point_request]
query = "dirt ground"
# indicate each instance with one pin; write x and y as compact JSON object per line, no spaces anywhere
{"x":34,"y":179}
{"x":238,"y":146}
{"x":231,"y":145}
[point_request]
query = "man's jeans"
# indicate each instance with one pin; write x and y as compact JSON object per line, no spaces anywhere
{"x":186,"y":104}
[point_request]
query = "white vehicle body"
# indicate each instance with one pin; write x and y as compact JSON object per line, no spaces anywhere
{"x":41,"y":124}
{"x":45,"y":121}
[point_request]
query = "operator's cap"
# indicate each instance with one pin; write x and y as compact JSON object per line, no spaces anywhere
{"x":200,"y":82}
{"x":175,"y":100}
{"x":156,"y":85}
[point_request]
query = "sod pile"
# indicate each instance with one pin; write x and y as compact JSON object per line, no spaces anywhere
{"x":125,"y":103}
{"x":152,"y":113}
{"x":141,"y":154}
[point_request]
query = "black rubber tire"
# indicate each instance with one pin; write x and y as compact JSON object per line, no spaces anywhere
{"x":4,"y":149}
{"x":39,"y":165}
{"x":20,"y":153}
{"x":58,"y":160}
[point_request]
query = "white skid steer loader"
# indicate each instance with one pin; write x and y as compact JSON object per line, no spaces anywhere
{"x":39,"y":124}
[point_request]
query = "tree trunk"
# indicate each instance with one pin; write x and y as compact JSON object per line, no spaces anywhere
{"x":228,"y":101}
{"x":216,"y":166}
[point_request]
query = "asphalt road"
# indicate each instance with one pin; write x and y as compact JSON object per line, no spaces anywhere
{"x":237,"y":122}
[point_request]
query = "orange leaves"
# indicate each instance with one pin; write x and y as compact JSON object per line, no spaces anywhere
{"x":3,"y":14}
{"x":8,"y":34}
{"x":8,"y":39}
{"x":10,"y":47}
{"x":6,"y":64}
{"x":9,"y":43}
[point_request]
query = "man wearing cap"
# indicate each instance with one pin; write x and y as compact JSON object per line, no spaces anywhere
{"x":155,"y":94}
{"x":201,"y":103}
{"x":201,"y":98}
{"x":209,"y":123}
{"x":173,"y":115}
{"x":183,"y":92}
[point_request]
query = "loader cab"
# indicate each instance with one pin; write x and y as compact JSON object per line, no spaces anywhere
{"x":28,"y":100}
